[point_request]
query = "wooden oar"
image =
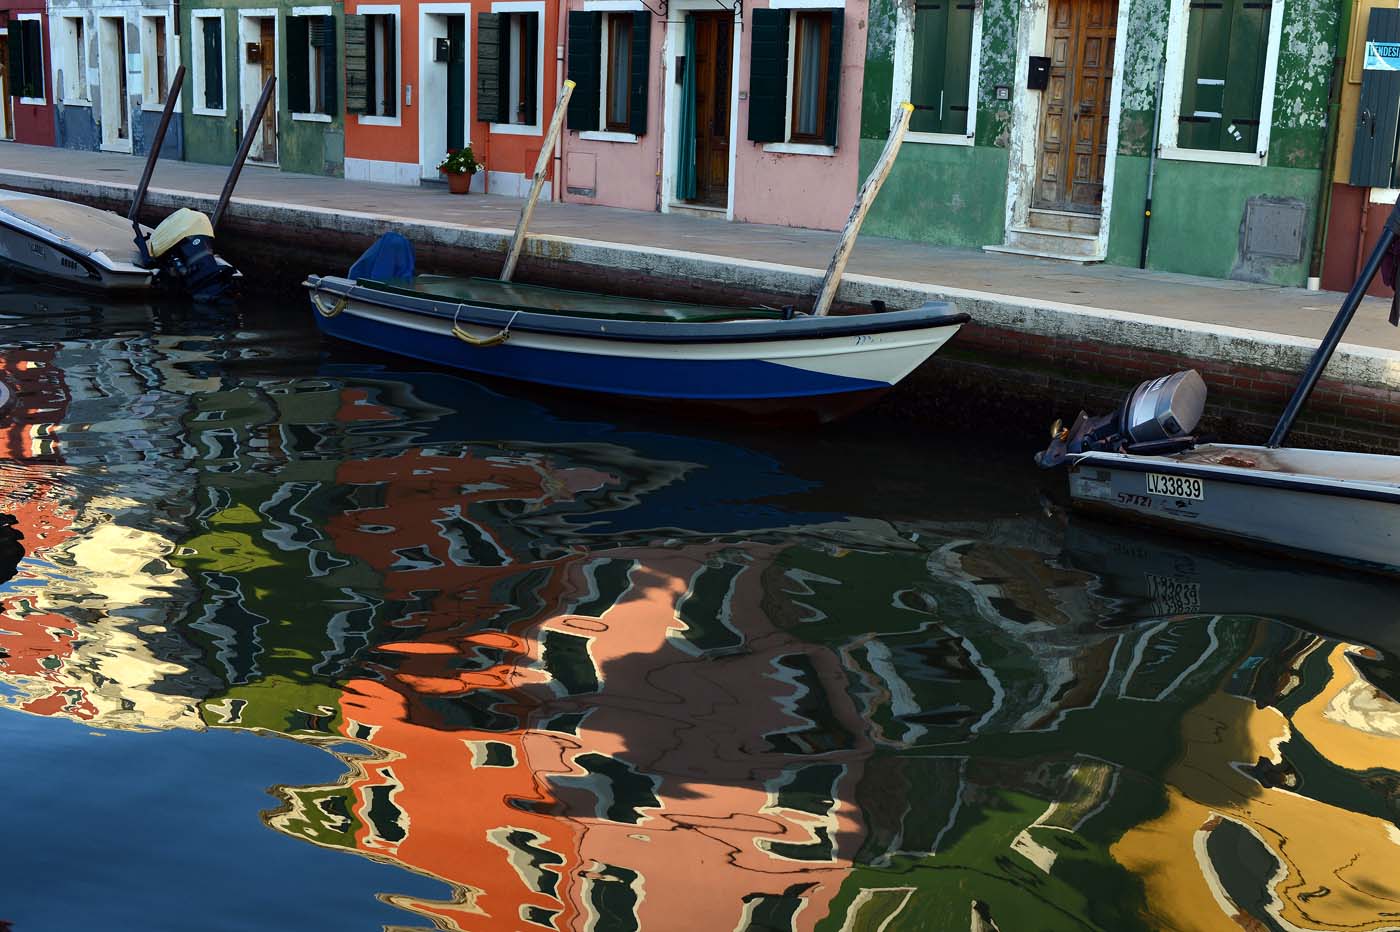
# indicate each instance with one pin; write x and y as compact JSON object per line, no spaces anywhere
{"x":541,"y":165}
{"x":864,"y":198}
{"x":171,"y":97}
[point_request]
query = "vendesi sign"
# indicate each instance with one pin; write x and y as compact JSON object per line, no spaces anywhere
{"x":1382,"y":56}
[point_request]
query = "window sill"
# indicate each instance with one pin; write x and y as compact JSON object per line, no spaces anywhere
{"x":1210,"y":155}
{"x":516,"y":129}
{"x":76,"y":103}
{"x":312,"y":117}
{"x":202,"y":111}
{"x":619,"y":6}
{"x":799,"y":148}
{"x":150,"y":108}
{"x":35,"y":101}
{"x":594,"y":135}
{"x":365,"y":120}
{"x":939,"y":139}
{"x":124,"y":147}
{"x":806,"y":4}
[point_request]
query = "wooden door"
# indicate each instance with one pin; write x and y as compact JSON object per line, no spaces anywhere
{"x":714,"y":44}
{"x":1075,"y":106}
{"x":267,"y":59}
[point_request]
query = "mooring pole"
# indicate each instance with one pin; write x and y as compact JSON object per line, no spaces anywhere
{"x":254,"y":126}
{"x":541,"y":166}
{"x":864,"y":198}
{"x":171,"y":97}
{"x":1339,"y":327}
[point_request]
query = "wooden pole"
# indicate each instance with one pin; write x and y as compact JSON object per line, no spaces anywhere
{"x":254,"y":126}
{"x":171,"y":96}
{"x":541,"y":166}
{"x":864,"y":198}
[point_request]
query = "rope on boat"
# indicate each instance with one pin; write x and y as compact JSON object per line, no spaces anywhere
{"x":495,"y":339}
{"x":336,"y":309}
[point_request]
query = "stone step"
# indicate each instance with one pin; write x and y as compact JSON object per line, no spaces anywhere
{"x":1065,"y":221}
{"x":1051,"y":244}
{"x":1041,"y":254}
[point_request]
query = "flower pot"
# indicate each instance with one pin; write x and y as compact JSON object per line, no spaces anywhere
{"x":459,"y":182}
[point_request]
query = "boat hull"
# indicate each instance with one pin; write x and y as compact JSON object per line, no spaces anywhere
{"x":748,"y":365}
{"x":1341,"y":521}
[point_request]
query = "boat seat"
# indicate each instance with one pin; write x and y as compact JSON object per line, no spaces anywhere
{"x":490,"y":292}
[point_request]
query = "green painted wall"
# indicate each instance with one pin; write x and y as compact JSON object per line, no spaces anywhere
{"x":953,"y":195}
{"x":314,"y":147}
{"x":946,"y":195}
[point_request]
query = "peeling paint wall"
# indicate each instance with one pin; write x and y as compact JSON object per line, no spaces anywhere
{"x":951,"y":195}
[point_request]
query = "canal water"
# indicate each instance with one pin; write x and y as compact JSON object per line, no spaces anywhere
{"x":299,"y":637}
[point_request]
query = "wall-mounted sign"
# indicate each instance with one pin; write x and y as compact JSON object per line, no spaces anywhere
{"x":1383,"y":56}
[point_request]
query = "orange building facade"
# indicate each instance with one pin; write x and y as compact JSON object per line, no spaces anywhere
{"x":440,"y":76}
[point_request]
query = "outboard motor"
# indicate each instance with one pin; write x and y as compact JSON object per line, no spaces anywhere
{"x":1158,"y":418}
{"x":181,"y":250}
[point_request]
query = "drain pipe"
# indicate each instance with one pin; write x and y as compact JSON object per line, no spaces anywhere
{"x":1152,"y":166}
{"x":560,"y":36}
{"x":1329,"y":160}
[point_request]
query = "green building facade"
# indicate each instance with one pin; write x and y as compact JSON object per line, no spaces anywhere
{"x":1034,"y":128}
{"x":231,"y":52}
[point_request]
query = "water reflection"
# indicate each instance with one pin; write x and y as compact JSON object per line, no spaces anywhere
{"x":597,"y":677}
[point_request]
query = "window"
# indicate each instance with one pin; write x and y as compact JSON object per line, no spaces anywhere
{"x":26,"y":48}
{"x":1223,"y":54}
{"x":372,"y":64}
{"x":209,"y":63}
{"x":508,"y":72}
{"x":311,"y":65}
{"x":74,"y":61}
{"x":618,"y":56}
{"x":941,"y":79}
{"x":154,"y":67}
{"x":609,"y":57}
{"x":809,"y":70}
{"x":795,"y":77}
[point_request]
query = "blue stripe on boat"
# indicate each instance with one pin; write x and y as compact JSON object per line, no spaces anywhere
{"x":618,"y":375}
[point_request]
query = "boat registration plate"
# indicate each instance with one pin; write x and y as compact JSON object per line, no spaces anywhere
{"x":1176,"y":486}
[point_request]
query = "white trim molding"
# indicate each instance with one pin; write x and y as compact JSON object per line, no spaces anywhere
{"x":799,"y":148}
{"x":613,"y":6}
{"x":536,"y":128}
{"x":594,"y":135}
{"x":673,"y":45}
{"x":197,"y":107}
{"x":382,"y":9}
{"x":807,"y":4}
{"x":432,"y":86}
{"x":1174,"y":78}
{"x":904,"y":76}
{"x":149,"y":76}
{"x":45,"y":61}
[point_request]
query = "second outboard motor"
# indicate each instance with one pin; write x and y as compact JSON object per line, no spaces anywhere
{"x":1158,"y":418}
{"x":181,"y":250}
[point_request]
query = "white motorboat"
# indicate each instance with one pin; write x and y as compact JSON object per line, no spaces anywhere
{"x":1144,"y":463}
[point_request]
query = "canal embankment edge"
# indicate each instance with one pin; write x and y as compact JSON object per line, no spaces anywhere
{"x":1024,"y":358}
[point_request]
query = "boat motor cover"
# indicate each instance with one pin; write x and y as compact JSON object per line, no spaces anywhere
{"x":1165,"y":408}
{"x":388,"y":260}
{"x":180,"y":225}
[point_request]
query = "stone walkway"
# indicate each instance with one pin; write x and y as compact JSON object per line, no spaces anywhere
{"x":1266,"y":309}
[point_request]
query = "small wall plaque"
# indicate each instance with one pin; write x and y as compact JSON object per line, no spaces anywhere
{"x":253,"y":53}
{"x":1003,"y":92}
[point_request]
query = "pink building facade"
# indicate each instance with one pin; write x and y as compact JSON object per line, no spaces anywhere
{"x":749,"y":114}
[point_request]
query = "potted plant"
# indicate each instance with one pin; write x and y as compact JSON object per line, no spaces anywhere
{"x":459,"y":166}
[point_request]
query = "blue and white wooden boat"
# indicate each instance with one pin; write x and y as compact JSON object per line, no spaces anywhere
{"x":759,"y":360}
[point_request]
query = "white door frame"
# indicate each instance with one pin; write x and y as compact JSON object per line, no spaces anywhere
{"x":1025,"y":123}
{"x":432,"y":87}
{"x":250,"y":80}
{"x":673,"y":47}
{"x":113,"y":101}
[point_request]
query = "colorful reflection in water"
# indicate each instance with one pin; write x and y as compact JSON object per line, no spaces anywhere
{"x":552,"y":672}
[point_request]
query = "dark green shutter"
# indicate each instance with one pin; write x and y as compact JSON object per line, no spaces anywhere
{"x":323,"y":34}
{"x":768,"y":67}
{"x":1223,"y":74}
{"x":1378,"y":119}
{"x":530,"y":42}
{"x":212,"y":36}
{"x":833,"y":75}
{"x":298,"y":65}
{"x":585,"y":55}
{"x":490,"y":95}
{"x":390,"y":66}
{"x":641,"y":72}
{"x":942,"y":66}
{"x":15,"y":49}
{"x":357,"y":64}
